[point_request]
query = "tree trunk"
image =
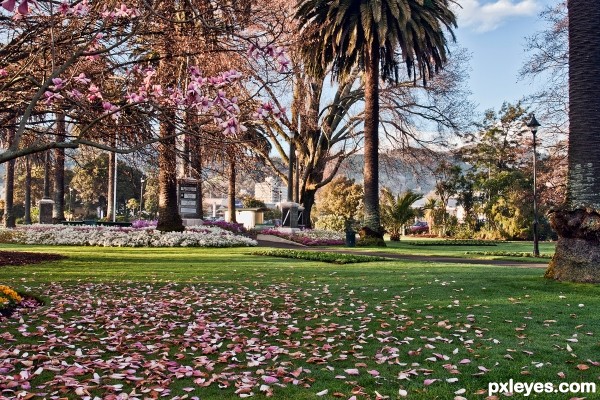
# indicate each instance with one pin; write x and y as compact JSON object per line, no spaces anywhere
{"x":47,"y":175}
{"x":168,"y":213}
{"x":9,"y":191}
{"x":196,"y":169}
{"x":231,"y":191}
{"x":27,"y":202}
{"x":308,"y":202}
{"x":372,"y":220}
{"x":9,"y":185}
{"x":577,"y":256}
{"x":58,"y":208}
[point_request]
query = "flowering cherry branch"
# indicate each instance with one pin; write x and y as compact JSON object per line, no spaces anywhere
{"x":68,"y":88}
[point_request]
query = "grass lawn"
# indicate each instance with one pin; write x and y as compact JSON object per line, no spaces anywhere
{"x":213,"y":322}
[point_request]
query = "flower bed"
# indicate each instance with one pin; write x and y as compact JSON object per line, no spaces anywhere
{"x":233,"y":227}
{"x":309,"y":237}
{"x":11,"y":301}
{"x":8,"y":297}
{"x":59,"y":235}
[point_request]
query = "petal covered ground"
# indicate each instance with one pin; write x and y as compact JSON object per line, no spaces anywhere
{"x":132,"y":340}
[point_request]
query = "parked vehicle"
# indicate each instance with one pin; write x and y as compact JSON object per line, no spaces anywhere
{"x":418,"y":227}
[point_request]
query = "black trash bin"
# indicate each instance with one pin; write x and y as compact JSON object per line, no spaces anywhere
{"x":350,"y":238}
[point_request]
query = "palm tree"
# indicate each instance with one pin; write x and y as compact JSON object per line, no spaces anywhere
{"x":397,"y":211}
{"x":343,"y":34}
{"x":577,"y":256}
{"x":431,"y":208}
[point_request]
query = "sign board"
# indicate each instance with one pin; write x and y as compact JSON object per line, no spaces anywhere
{"x":188,"y":199}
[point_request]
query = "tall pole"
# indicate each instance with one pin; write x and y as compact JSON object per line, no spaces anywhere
{"x":297,"y":185}
{"x":71,"y":202}
{"x":290,"y":192}
{"x":536,"y":248}
{"x":533,"y":124}
{"x":141,"y":195}
{"x":115,"y":192}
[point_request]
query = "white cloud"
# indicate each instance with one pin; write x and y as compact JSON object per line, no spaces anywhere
{"x":484,"y":16}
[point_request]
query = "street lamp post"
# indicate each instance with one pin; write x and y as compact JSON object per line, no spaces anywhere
{"x":114,"y":216}
{"x":290,"y":192}
{"x":71,"y":202}
{"x":533,"y":125}
{"x":297,"y":180}
{"x":142,"y":180}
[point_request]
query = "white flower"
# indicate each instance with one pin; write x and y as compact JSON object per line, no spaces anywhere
{"x":125,"y":237}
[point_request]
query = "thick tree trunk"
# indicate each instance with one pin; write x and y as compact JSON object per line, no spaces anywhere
{"x":168,"y":212}
{"x":231,"y":191}
{"x":372,"y":219}
{"x":27,"y":202}
{"x":577,"y":256}
{"x":47,"y":175}
{"x":9,"y":191}
{"x":58,"y":208}
{"x":308,"y":202}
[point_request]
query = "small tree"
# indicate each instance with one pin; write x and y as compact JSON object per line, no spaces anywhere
{"x":397,"y":211}
{"x":251,"y":202}
{"x":339,"y":204}
{"x":434,"y":214}
{"x":133,"y":206}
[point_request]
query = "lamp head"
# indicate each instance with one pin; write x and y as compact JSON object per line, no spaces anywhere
{"x":533,"y":124}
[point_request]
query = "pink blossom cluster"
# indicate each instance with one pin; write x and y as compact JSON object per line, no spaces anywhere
{"x":209,"y":95}
{"x":279,"y":54}
{"x":122,"y":12}
{"x":268,"y":109}
{"x":9,"y":5}
{"x":80,"y":9}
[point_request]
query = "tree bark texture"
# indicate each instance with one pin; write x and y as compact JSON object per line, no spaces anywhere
{"x":169,"y":218}
{"x":168,"y":212}
{"x":372,"y":219}
{"x":58,"y":208}
{"x":577,"y":255}
{"x":583,"y":189}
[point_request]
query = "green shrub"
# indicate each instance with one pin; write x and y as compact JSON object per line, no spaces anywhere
{"x":371,"y":242}
{"x":9,"y":236}
{"x":454,"y":243}
{"x":333,"y":258}
{"x":463,"y":232}
{"x":509,"y":254}
{"x":335,"y":223}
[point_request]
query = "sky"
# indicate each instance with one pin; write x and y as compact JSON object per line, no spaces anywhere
{"x":494,"y":32}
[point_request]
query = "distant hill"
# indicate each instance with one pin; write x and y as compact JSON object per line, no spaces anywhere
{"x":399,"y":171}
